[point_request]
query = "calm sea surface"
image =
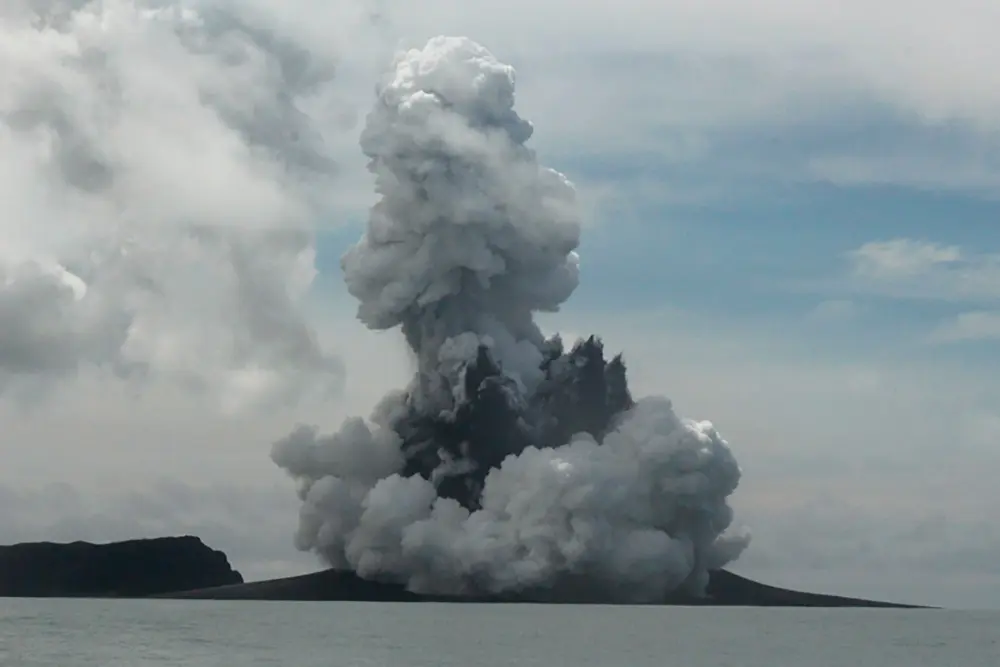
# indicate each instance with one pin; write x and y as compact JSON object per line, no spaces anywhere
{"x":71,"y":633}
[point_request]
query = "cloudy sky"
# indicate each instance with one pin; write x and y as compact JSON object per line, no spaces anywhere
{"x":791,"y":230}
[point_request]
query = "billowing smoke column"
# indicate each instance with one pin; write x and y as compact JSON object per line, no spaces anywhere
{"x":509,"y":465}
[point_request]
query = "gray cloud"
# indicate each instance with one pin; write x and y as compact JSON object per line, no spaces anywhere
{"x":896,"y":51}
{"x":161,"y":172}
{"x":976,"y":325}
{"x":964,"y":279}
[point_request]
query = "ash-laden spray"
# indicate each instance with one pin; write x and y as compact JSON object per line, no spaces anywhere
{"x":509,"y":464}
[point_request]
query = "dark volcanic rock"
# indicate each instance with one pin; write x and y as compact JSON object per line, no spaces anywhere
{"x":135,"y":568}
{"x":728,"y":589}
{"x":725,"y":589}
{"x":328,"y":585}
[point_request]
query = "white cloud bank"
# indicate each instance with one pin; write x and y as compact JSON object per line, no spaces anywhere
{"x":692,"y":73}
{"x":938,"y":61}
{"x":162,"y":167}
{"x":921,"y":269}
{"x":976,"y":325}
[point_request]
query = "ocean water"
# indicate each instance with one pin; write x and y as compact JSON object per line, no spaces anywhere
{"x":84,"y":633}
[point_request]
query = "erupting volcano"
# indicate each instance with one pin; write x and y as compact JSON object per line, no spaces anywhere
{"x":510,"y":463}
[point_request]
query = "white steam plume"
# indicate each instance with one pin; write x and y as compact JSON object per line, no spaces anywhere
{"x":156,"y":171}
{"x":471,"y":237}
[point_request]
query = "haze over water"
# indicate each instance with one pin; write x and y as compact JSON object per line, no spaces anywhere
{"x":89,"y":633}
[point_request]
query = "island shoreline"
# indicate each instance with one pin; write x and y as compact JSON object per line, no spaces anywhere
{"x":185,"y":568}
